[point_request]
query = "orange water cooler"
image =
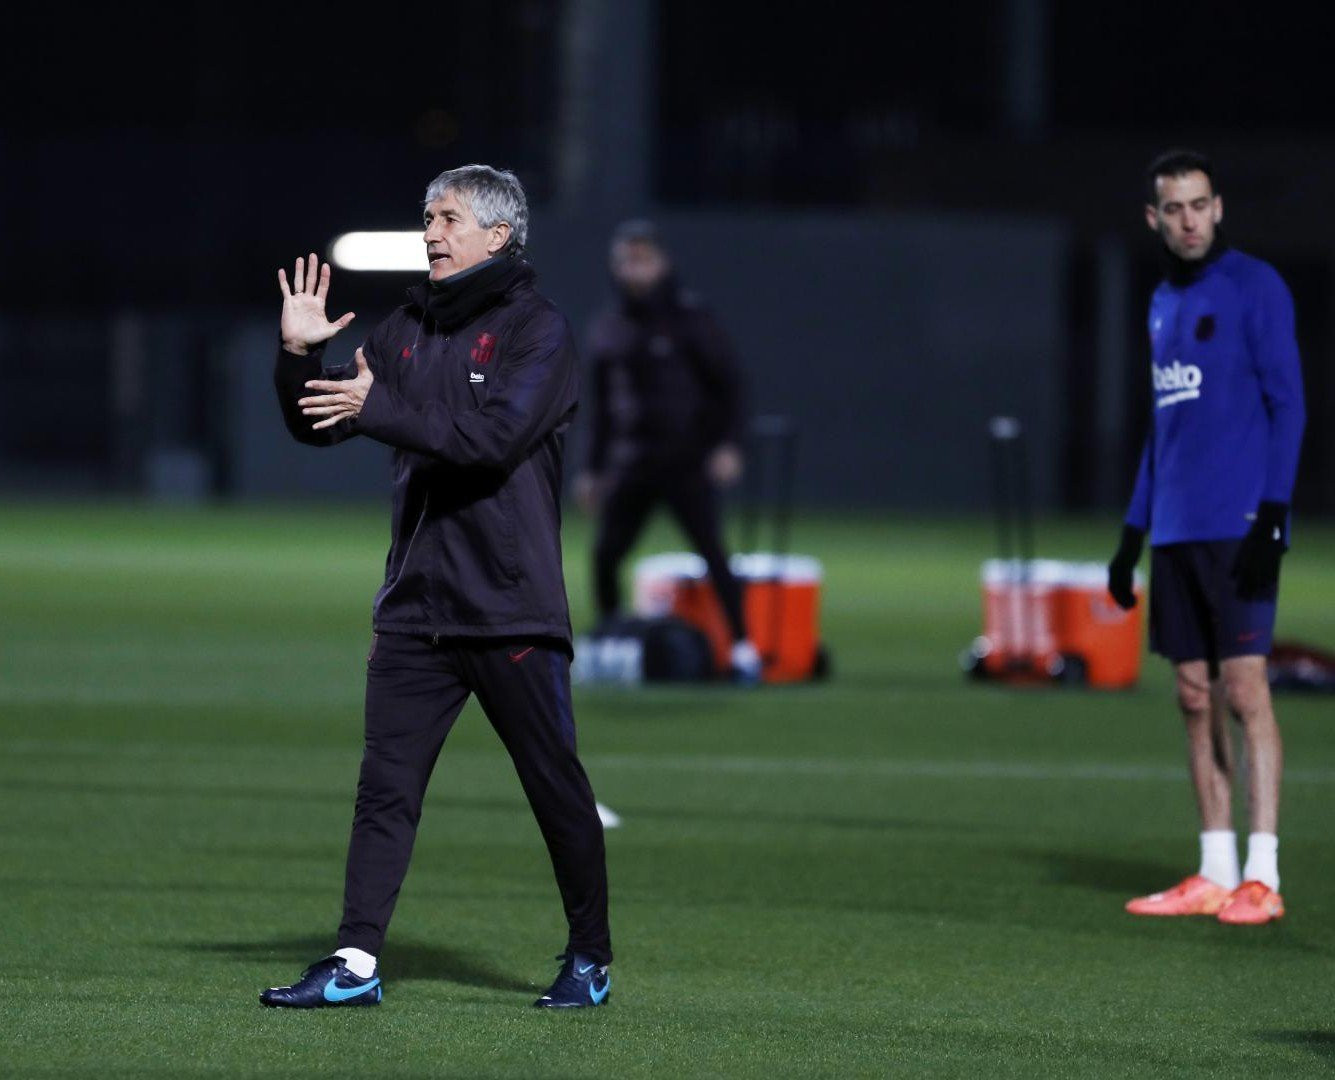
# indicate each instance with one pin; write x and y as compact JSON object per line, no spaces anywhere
{"x":1046,"y":620}
{"x":780,"y":599}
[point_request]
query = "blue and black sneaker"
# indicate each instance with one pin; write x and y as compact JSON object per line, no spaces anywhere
{"x":326,"y":982}
{"x":580,"y":983}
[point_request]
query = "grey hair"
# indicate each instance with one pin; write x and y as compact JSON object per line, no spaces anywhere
{"x":494,"y":195}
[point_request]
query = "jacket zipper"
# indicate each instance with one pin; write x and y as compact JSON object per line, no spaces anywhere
{"x":440,"y":367}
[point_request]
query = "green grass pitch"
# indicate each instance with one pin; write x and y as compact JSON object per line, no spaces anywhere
{"x":893,"y":874}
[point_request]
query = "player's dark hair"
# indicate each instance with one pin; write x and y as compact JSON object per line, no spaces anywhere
{"x":1177,"y":162}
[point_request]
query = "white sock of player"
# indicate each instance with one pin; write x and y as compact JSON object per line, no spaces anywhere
{"x":361,"y":964}
{"x":1219,"y":857}
{"x":1263,"y":859}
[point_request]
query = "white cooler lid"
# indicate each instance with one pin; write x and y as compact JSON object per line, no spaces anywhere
{"x":766,"y":566}
{"x":758,"y":565}
{"x":1049,"y":572}
{"x":671,"y":565}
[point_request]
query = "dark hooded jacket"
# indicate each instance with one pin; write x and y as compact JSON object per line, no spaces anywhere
{"x":475,"y":387}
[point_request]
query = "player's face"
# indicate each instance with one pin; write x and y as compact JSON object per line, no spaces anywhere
{"x":454,"y":239}
{"x":638,"y":265}
{"x":1185,"y":214}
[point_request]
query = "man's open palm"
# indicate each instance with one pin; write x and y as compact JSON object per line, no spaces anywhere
{"x":304,"y":321}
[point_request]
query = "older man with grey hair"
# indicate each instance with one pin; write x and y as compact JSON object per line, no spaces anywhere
{"x":472,"y":382}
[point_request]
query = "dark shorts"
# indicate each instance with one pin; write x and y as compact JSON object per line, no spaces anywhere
{"x":1195,"y":610}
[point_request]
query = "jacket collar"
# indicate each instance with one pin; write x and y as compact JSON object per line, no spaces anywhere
{"x":663,"y":297}
{"x":1182,"y":272}
{"x":462,"y":297}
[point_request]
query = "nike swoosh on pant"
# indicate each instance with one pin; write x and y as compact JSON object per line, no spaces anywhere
{"x":516,"y":657}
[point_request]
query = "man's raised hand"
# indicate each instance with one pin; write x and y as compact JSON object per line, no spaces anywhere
{"x":304,"y":321}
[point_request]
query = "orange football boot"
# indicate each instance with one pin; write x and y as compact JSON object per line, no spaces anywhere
{"x":1191,"y":896}
{"x":1251,"y":904}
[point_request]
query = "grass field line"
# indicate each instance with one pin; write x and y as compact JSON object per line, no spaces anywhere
{"x":889,"y":768}
{"x":215,"y":560}
{"x":196,"y":684}
{"x":942,"y":769}
{"x":221,"y":690}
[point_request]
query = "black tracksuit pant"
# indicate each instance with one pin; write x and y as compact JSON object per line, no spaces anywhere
{"x":689,"y":495}
{"x":414,"y":692}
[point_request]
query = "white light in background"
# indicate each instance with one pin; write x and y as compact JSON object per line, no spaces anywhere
{"x":379,"y":251}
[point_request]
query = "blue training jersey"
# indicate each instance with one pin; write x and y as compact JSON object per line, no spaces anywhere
{"x":1227,"y":402}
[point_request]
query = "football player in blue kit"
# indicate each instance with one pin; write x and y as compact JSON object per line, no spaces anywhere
{"x":1212,"y":493}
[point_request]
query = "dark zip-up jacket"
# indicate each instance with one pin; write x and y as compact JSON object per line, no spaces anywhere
{"x":475,"y":393}
{"x":665,"y":383}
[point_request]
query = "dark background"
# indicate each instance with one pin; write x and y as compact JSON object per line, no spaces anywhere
{"x":909,"y":217}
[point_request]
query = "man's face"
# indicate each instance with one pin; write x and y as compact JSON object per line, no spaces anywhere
{"x":454,"y":239}
{"x":638,"y":265}
{"x":1185,"y":214}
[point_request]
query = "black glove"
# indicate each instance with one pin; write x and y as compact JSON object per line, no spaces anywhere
{"x":1256,"y":566}
{"x":1122,"y":569}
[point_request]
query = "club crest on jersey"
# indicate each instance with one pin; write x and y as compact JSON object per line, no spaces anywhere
{"x":482,"y":350}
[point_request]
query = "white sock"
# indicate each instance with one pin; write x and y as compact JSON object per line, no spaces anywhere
{"x":744,"y":654}
{"x":1219,"y":857}
{"x":361,"y":964}
{"x":1263,"y":859}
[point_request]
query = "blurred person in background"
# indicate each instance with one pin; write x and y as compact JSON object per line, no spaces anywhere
{"x":473,"y":383}
{"x":666,"y":424}
{"x":1213,"y":492}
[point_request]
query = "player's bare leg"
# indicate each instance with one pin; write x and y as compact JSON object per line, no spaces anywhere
{"x":1210,"y":757}
{"x":1247,"y":690}
{"x":1209,"y":751}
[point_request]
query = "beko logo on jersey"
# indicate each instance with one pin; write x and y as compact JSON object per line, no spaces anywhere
{"x":1179,"y":381}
